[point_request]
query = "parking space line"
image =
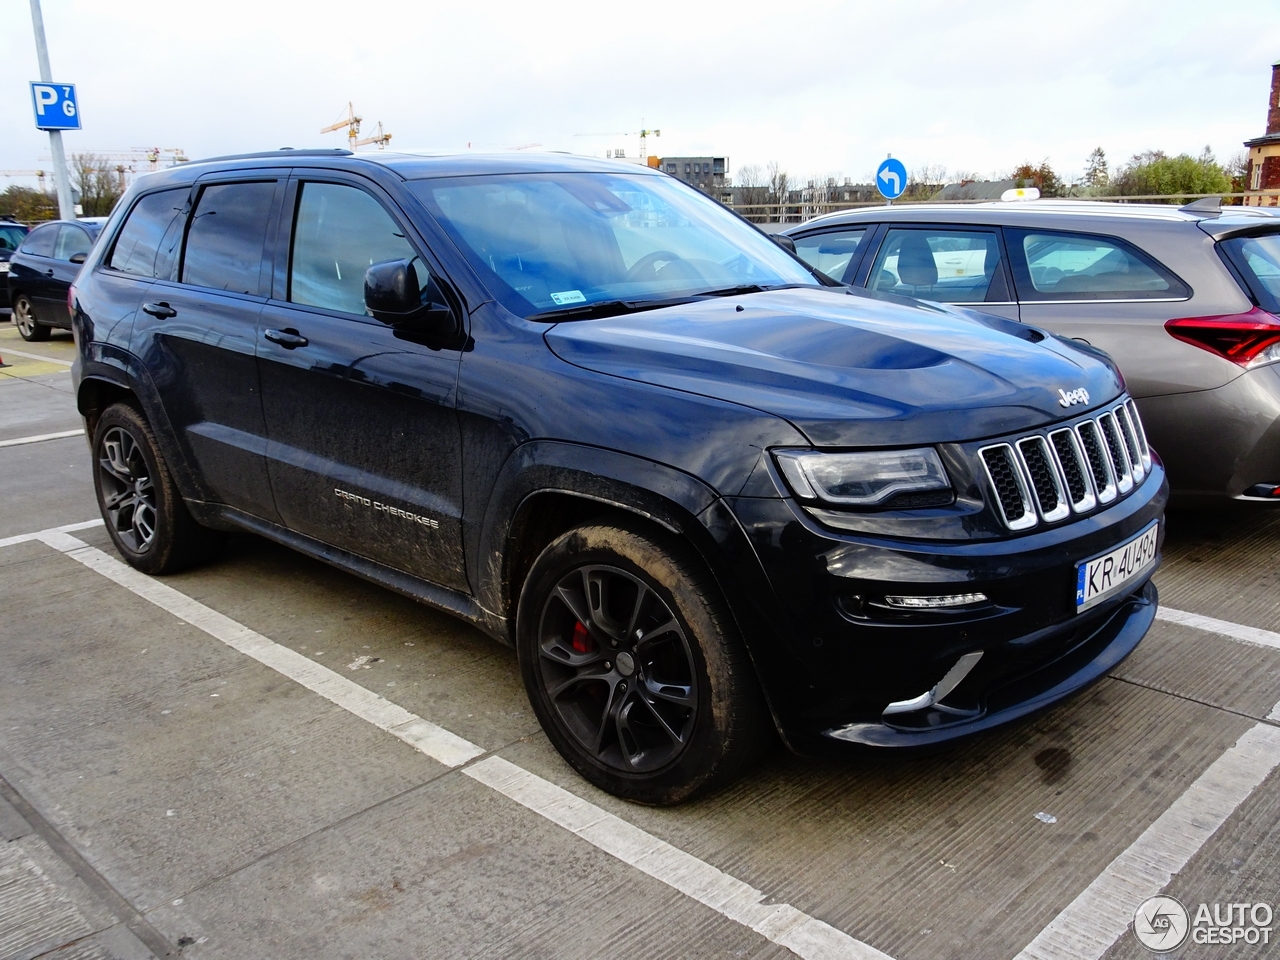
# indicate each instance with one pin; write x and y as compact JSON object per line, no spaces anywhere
{"x":1095,"y":919}
{"x":18,"y":441}
{"x":1236,"y":631}
{"x":781,"y":923}
{"x":68,"y":528}
{"x":36,"y":356}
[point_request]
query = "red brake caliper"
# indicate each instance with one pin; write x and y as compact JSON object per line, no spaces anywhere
{"x":582,"y":641}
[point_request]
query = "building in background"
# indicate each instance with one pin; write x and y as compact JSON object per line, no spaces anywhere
{"x":1263,"y":171}
{"x":708,"y":174}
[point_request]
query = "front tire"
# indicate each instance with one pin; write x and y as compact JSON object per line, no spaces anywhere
{"x":140,"y":504}
{"x":634,"y":665}
{"x":24,"y":318}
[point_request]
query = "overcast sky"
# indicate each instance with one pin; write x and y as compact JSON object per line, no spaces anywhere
{"x":822,"y":87}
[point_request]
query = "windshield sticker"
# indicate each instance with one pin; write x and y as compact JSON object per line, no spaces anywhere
{"x":568,"y":296}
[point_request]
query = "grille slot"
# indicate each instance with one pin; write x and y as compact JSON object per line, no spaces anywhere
{"x":1074,"y":470}
{"x":1010,"y":487}
{"x":1130,"y":438}
{"x":1043,"y":472}
{"x":1115,"y":447}
{"x":1143,"y":449}
{"x":1104,"y":479}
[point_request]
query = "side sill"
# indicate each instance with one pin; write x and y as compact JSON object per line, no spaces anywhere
{"x":433,"y":595}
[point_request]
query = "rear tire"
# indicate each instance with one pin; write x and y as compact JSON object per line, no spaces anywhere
{"x":140,"y":504}
{"x":24,"y":318}
{"x":634,"y":665}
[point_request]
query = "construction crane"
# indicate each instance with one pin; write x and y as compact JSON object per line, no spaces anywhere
{"x":352,"y":123}
{"x":644,"y":135}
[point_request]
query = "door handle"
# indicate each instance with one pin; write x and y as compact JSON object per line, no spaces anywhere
{"x":161,"y":310}
{"x":48,"y":273}
{"x":286,"y":338}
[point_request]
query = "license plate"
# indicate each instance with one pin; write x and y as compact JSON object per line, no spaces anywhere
{"x":1105,"y":576}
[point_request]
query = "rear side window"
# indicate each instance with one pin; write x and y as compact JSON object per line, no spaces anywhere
{"x":949,"y":266}
{"x":226,"y":237}
{"x":1081,"y":266}
{"x":39,"y":242}
{"x":830,"y":252}
{"x":1258,"y":259}
{"x":71,"y":240}
{"x":10,"y":237}
{"x":339,"y":233}
{"x":148,"y":243}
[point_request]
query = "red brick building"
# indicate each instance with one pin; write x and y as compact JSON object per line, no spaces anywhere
{"x":1263,"y":172}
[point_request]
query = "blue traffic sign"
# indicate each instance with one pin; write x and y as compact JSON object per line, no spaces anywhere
{"x":891,"y":178}
{"x":55,"y":106}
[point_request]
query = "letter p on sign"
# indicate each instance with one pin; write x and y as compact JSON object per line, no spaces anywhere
{"x":55,"y":106}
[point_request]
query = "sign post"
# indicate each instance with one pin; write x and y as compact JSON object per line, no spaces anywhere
{"x":891,"y":179}
{"x":56,"y":110}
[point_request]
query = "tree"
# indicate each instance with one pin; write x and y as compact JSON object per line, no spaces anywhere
{"x":100,"y":186}
{"x":1042,"y":178}
{"x":1154,"y":173}
{"x":751,"y":192}
{"x":924,"y":182}
{"x":779,"y":186}
{"x":1095,"y":171}
{"x":28,"y":204}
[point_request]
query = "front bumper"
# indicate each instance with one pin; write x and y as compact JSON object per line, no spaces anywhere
{"x":835,"y":656}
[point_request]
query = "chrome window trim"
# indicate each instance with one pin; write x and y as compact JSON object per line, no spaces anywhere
{"x":1041,"y":303}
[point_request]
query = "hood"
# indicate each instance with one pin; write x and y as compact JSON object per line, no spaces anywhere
{"x":848,"y":370}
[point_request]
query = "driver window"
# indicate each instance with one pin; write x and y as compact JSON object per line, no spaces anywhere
{"x":830,"y":252}
{"x":949,"y":266}
{"x":340,"y":232}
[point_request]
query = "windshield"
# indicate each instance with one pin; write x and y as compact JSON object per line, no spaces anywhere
{"x":547,"y":243}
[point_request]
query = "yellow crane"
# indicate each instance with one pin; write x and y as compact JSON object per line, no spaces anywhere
{"x":352,"y":123}
{"x":644,"y":135}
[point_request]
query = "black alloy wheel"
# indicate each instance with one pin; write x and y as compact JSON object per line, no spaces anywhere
{"x":617,"y":668}
{"x":29,"y":328}
{"x":128,"y":492}
{"x":143,"y":510}
{"x":634,"y":666}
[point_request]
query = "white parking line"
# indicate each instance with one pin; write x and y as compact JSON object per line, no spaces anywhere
{"x":68,"y":528}
{"x":1098,"y":917}
{"x":36,"y":356}
{"x":41,"y":437}
{"x":1236,"y":631}
{"x":780,"y":923}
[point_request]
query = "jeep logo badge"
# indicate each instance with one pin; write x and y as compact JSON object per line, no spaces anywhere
{"x":1071,"y":398}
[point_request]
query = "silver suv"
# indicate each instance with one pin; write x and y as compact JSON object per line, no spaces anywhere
{"x":1186,"y":300}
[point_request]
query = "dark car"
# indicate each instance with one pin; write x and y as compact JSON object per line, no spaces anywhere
{"x":41,"y":273}
{"x":580,"y":405}
{"x":11,"y":234}
{"x":1187,"y":301}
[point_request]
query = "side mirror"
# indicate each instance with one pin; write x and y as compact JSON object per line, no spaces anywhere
{"x":79,"y":257}
{"x":393,"y":295}
{"x":786,"y":243}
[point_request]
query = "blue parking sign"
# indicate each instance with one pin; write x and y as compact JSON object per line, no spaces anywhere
{"x":55,"y":106}
{"x":891,"y":179}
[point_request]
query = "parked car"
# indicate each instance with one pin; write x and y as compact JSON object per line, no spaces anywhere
{"x":42,"y":270}
{"x":577,"y":403}
{"x":1186,"y":300}
{"x":11,"y":234}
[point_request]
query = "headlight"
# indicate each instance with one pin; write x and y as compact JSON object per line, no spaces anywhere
{"x":864,"y":479}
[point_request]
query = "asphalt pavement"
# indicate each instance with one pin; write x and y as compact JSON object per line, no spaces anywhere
{"x":268,"y":758}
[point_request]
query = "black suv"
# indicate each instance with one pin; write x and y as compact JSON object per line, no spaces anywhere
{"x":41,"y":273}
{"x":703,"y":492}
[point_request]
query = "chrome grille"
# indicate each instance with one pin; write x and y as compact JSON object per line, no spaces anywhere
{"x":1039,"y":478}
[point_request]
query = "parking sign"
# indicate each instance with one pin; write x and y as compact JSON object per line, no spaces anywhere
{"x":55,"y":106}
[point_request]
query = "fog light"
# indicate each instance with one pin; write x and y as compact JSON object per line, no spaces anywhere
{"x":934,"y":603}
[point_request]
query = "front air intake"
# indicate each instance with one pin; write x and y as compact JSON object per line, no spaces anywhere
{"x":1011,"y":488}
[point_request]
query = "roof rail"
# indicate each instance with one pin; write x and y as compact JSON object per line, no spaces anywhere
{"x":1212,"y":206}
{"x":282,"y":152}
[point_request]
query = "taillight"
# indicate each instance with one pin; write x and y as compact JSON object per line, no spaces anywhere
{"x":1244,"y":338}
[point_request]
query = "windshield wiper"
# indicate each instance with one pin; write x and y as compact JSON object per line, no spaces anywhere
{"x":607,"y":308}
